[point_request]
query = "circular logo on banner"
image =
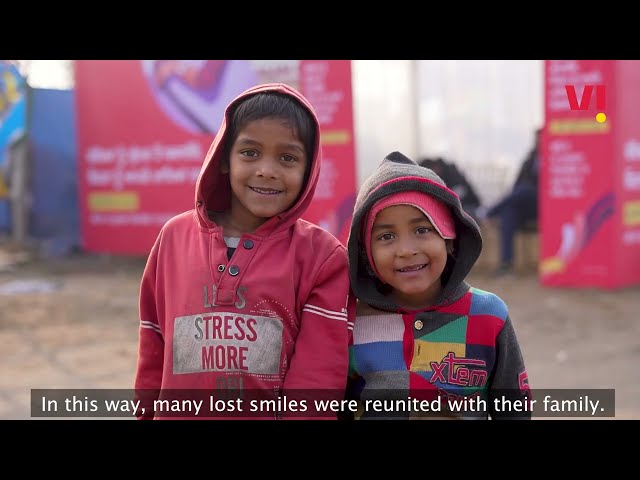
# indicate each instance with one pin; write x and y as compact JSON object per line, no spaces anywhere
{"x":195,"y":93}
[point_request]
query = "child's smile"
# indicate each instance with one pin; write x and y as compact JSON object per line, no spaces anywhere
{"x":409,"y":255}
{"x":267,"y":166}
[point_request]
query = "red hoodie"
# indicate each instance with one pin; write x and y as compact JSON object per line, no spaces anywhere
{"x":280,"y":324}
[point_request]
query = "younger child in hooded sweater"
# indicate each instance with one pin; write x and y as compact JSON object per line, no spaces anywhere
{"x":421,"y":332}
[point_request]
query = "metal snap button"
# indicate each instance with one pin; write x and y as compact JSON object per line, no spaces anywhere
{"x":221,"y":268}
{"x":248,"y":244}
{"x":418,"y":324}
{"x":234,"y":270}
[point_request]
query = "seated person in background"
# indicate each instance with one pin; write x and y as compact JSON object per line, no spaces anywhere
{"x":456,"y":181}
{"x":518,"y":207}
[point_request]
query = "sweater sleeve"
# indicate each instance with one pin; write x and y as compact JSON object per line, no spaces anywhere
{"x":319,"y":365}
{"x":148,"y":377}
{"x":510,"y":382}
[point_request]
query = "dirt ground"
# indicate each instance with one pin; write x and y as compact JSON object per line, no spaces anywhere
{"x":73,"y":323}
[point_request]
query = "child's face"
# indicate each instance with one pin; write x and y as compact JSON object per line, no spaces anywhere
{"x":409,"y":255}
{"x":266,"y":170}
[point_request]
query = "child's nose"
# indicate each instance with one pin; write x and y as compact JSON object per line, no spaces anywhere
{"x":266,"y":168}
{"x":407,"y":248}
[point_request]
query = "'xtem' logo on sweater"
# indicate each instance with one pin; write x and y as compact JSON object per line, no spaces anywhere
{"x":462,"y":375}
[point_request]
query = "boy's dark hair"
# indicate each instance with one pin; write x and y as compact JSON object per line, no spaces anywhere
{"x":273,"y":105}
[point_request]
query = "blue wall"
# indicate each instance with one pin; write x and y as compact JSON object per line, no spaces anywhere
{"x":55,"y":217}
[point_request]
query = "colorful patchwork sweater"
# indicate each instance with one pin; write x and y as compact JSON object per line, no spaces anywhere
{"x":458,"y":358}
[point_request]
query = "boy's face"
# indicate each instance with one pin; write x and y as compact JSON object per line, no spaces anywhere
{"x":266,"y":170}
{"x":409,"y":255}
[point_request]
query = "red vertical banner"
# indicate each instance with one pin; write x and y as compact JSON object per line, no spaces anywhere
{"x":627,"y":179}
{"x":327,"y":85}
{"x":144,"y":128}
{"x":582,"y":197}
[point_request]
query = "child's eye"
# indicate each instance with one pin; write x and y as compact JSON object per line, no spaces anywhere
{"x":289,"y":158}
{"x":249,"y":153}
{"x":385,"y":236}
{"x":423,"y":230}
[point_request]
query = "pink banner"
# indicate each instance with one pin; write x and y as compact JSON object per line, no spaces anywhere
{"x":582,"y":194}
{"x":627,"y":176}
{"x":326,"y":84}
{"x":144,"y":128}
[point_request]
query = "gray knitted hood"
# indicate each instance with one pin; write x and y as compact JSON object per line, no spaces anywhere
{"x":398,"y":173}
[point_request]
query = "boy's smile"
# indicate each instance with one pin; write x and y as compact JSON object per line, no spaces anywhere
{"x":409,"y":255}
{"x":267,"y":166}
{"x":411,"y":269}
{"x":265,"y":191}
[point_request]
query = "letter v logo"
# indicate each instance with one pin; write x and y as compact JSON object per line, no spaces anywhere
{"x":573,"y":97}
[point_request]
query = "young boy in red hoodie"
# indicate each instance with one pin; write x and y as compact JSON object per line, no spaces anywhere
{"x":240,"y":295}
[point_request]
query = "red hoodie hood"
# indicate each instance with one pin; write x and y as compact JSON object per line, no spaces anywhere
{"x":213,"y":191}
